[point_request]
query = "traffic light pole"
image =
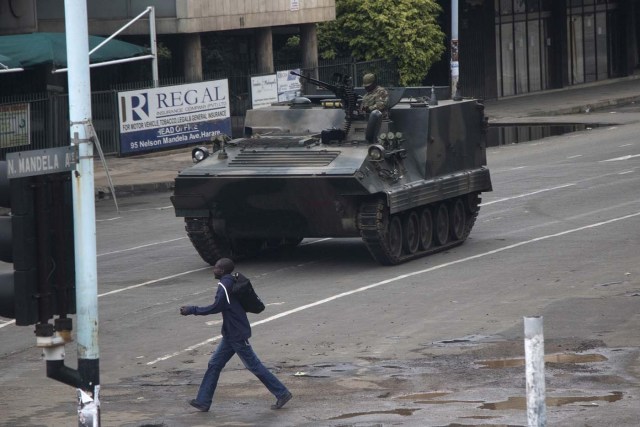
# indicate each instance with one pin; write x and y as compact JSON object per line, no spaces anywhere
{"x":77,"y":38}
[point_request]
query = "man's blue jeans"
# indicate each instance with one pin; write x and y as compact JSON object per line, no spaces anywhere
{"x":225,"y":351}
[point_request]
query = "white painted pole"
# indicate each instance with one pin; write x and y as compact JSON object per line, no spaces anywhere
{"x":455,"y":64}
{"x":84,"y":217}
{"x":154,"y":45}
{"x":534,"y":359}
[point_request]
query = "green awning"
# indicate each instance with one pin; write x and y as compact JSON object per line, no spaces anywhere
{"x":7,"y":62}
{"x":30,"y":50}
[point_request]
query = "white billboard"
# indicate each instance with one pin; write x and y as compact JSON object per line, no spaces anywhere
{"x":264,"y":90}
{"x":173,"y":115}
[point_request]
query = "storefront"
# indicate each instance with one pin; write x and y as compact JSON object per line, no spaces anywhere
{"x":594,"y":40}
{"x":522,"y":46}
{"x":511,"y":47}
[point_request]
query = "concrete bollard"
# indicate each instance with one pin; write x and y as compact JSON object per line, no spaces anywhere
{"x":534,"y":358}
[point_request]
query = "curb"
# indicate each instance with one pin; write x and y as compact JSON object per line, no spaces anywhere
{"x":103,"y":193}
{"x":500,"y":113}
{"x":589,"y":107}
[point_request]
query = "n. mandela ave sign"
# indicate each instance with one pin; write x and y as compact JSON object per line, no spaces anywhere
{"x":41,"y":162}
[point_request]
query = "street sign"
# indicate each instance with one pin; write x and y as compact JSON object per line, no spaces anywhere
{"x":41,"y":162}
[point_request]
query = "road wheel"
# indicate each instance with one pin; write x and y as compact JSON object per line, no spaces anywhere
{"x":411,"y":233}
{"x":457,"y":220}
{"x":426,"y":229}
{"x":442,"y":224}
{"x":394,"y":237}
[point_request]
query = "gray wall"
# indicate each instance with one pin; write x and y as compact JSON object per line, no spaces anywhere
{"x":17,"y":16}
{"x":188,"y":16}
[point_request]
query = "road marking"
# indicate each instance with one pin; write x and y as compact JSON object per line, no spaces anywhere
{"x":181,"y":238}
{"x":161,"y":208}
{"x":403,"y":276}
{"x":515,"y":245}
{"x":574,"y":157}
{"x":108,"y":219}
{"x":142,"y":246}
{"x":315,"y":241}
{"x":625,"y":172}
{"x":151,"y":282}
{"x":497,"y":171}
{"x":616,"y":159}
{"x":527,"y":194}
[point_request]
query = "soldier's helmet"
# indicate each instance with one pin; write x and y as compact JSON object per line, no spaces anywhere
{"x":369,"y":79}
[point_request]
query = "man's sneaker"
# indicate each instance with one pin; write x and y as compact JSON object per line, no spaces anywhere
{"x":282,"y":401}
{"x":200,"y":407}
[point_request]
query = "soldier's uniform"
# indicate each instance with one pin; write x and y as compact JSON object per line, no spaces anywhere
{"x":376,"y":98}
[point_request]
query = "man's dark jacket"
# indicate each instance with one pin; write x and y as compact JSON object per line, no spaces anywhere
{"x":235,"y":324}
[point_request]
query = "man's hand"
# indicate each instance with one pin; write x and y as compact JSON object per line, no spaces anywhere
{"x":186,"y":310}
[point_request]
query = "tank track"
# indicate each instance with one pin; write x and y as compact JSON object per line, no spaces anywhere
{"x":210,"y":246}
{"x":373,"y":222}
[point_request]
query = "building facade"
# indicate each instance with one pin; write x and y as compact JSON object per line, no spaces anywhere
{"x":512,"y":47}
{"x":184,"y":21}
{"x":506,"y":47}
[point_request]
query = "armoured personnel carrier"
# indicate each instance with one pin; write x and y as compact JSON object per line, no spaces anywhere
{"x":407,"y":181}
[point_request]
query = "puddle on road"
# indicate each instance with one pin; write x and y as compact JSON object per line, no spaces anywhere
{"x":405,"y":412}
{"x":426,"y":398}
{"x":483,"y":425}
{"x":550,"y":358}
{"x":511,"y":403}
{"x":480,"y":417}
{"x":521,"y":402}
{"x":512,"y":134}
{"x":422,"y":396}
{"x":468,"y":340}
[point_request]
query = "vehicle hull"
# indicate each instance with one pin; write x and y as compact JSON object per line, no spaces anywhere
{"x":289,"y":180}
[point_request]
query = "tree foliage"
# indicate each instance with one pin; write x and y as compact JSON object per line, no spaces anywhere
{"x":404,"y":31}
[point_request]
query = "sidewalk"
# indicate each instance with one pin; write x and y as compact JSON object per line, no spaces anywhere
{"x":581,"y":99}
{"x":146,"y":173}
{"x":157,"y":171}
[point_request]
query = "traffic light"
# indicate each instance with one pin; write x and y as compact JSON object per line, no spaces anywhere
{"x":38,"y":239}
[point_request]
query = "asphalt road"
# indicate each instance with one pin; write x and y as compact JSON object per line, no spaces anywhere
{"x":433,"y":342}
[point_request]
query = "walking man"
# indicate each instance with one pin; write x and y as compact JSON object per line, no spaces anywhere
{"x":236,"y":332}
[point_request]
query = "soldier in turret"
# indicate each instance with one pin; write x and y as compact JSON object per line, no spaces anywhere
{"x":376,"y":98}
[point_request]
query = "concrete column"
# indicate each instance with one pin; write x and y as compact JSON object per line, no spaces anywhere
{"x":264,"y":50}
{"x":309,"y":45}
{"x":192,"y":57}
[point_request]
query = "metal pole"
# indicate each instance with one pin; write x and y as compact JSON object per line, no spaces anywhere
{"x":534,"y":359}
{"x":77,"y":38}
{"x":154,"y":45}
{"x":153,"y":40}
{"x":106,"y":63}
{"x":455,"y":65}
{"x":124,"y":27}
